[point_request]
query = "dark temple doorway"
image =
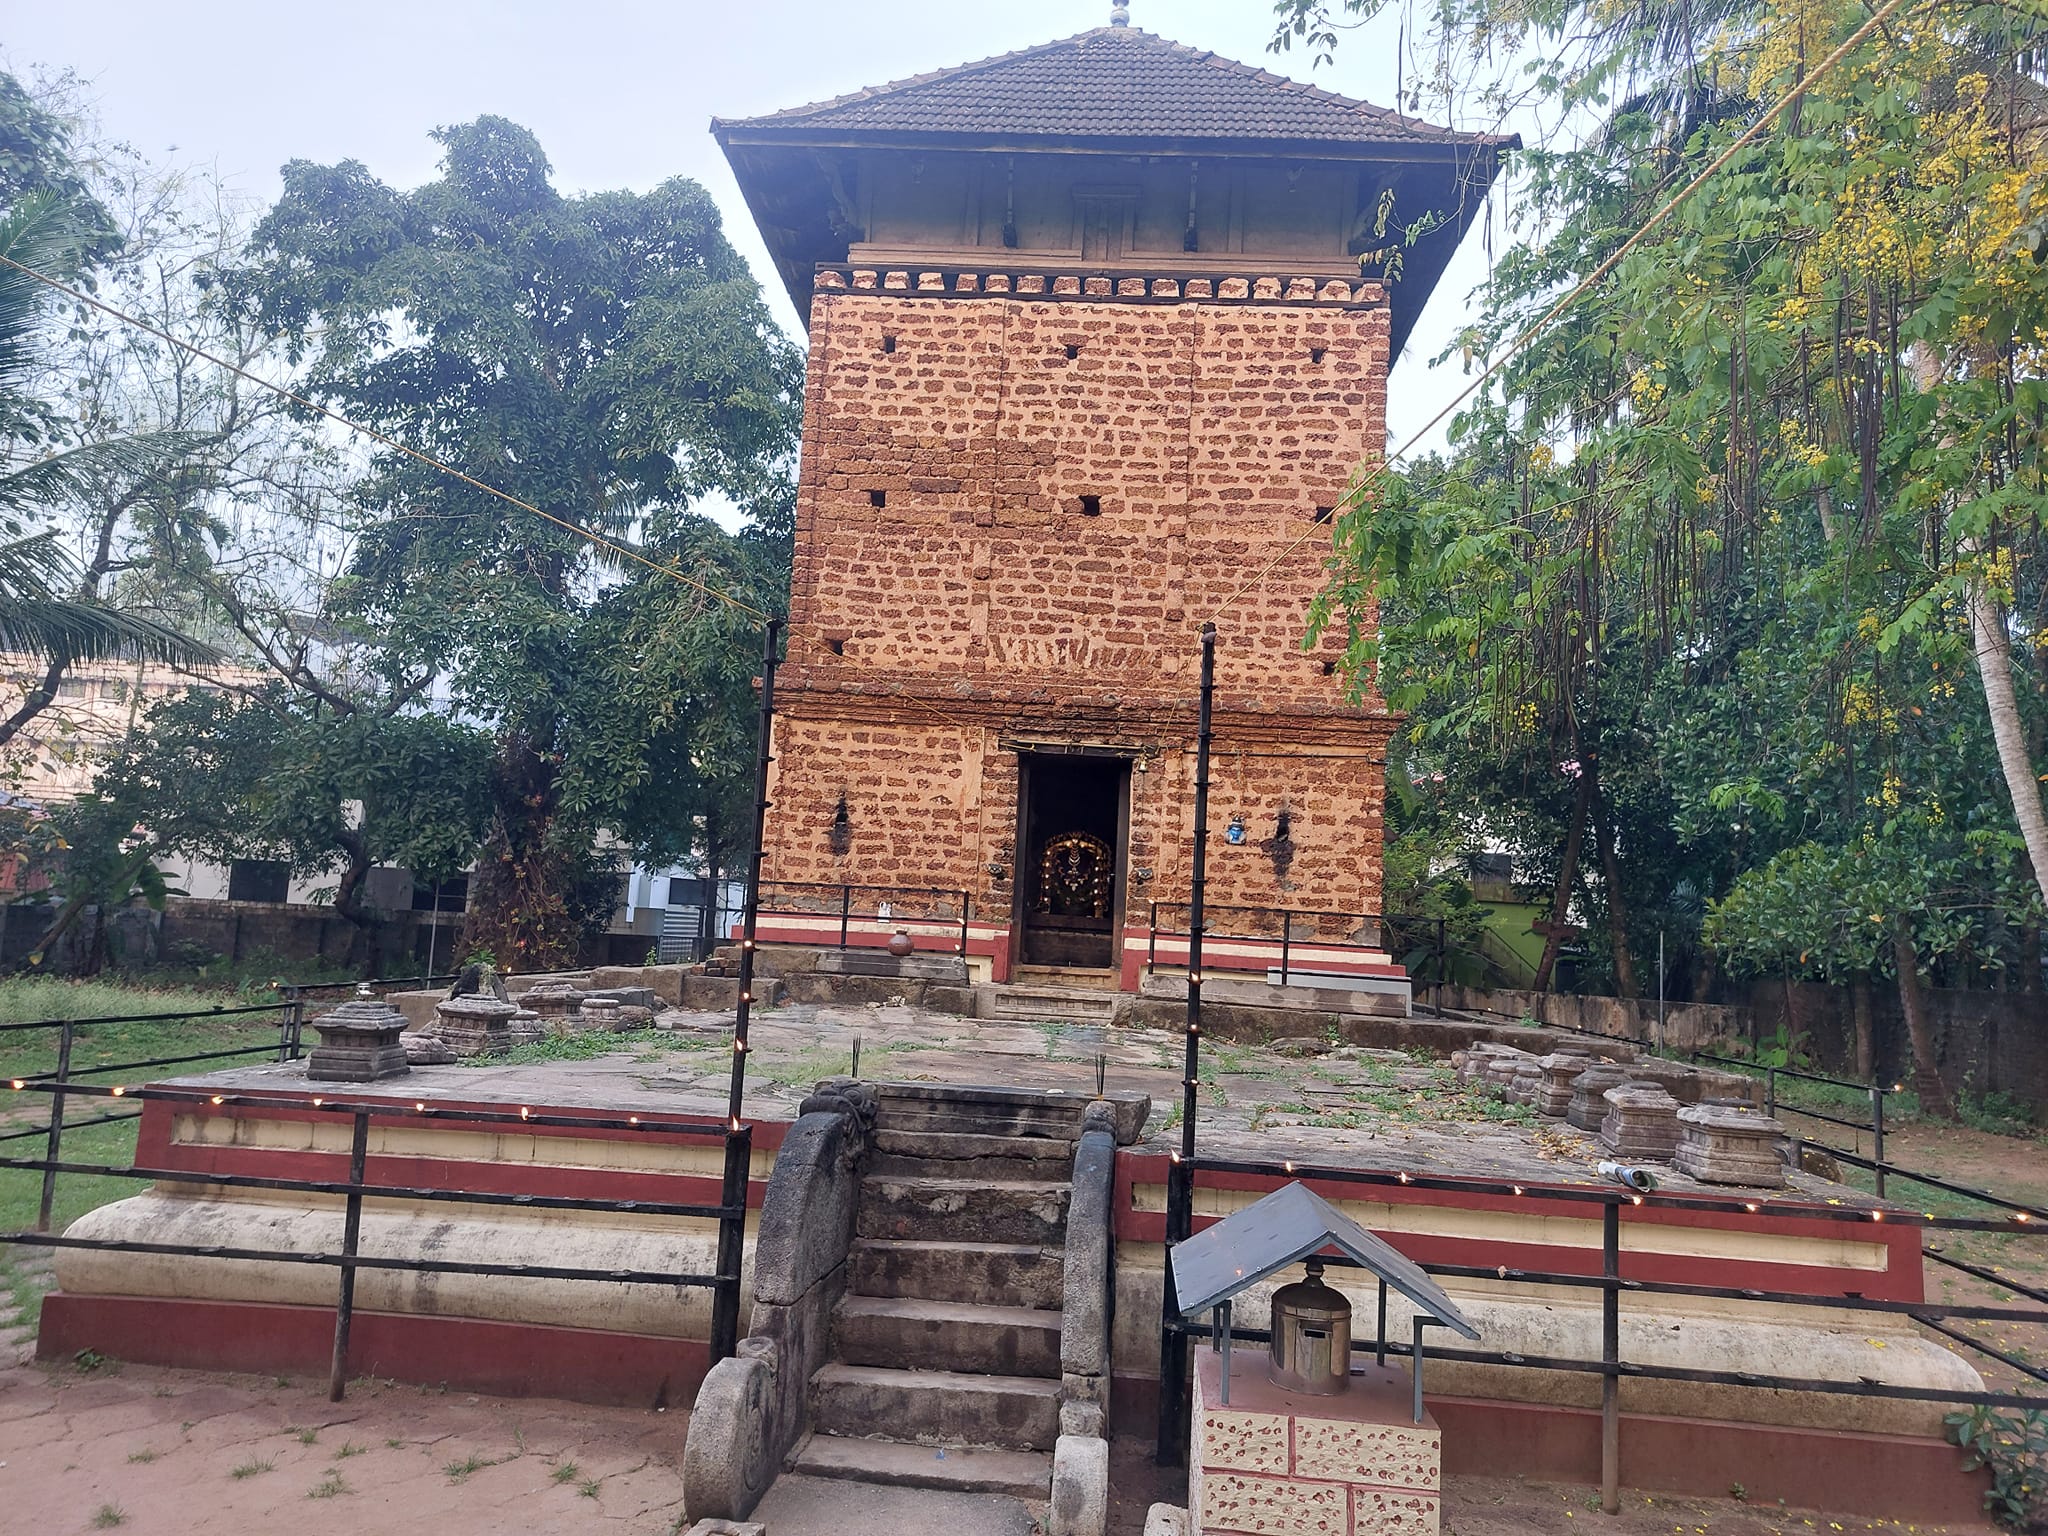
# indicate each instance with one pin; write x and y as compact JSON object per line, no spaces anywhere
{"x":1073,"y":822}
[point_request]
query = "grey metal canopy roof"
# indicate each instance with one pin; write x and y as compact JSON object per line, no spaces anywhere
{"x":1291,"y":1224}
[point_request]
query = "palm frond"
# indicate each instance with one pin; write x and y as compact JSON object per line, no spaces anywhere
{"x":41,"y":232}
{"x":86,"y":473}
{"x":47,"y":627}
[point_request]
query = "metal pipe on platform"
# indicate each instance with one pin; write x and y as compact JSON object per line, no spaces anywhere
{"x":1610,"y":1359}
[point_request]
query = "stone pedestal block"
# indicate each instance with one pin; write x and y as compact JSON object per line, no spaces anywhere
{"x":1278,"y":1463}
{"x":1641,"y":1123}
{"x":476,"y":1025}
{"x":1589,"y":1094}
{"x":1720,"y":1145}
{"x":359,"y":1043}
{"x":552,"y":999}
{"x":599,"y":1013}
{"x":1560,"y":1070}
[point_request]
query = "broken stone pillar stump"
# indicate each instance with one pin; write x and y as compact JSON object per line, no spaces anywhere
{"x":552,"y":999}
{"x":1726,"y":1145}
{"x":424,"y":1048}
{"x":476,"y":1025}
{"x":1560,"y":1070}
{"x":1526,"y":1084}
{"x":599,"y":1013}
{"x":1280,"y":1461}
{"x":1500,"y":1074}
{"x":359,"y":1043}
{"x":1641,"y":1123}
{"x":1589,"y":1094}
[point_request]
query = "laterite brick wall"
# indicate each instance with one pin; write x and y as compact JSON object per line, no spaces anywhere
{"x":1014,"y":515}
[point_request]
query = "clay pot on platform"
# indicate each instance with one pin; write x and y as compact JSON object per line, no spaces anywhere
{"x":900,"y":943}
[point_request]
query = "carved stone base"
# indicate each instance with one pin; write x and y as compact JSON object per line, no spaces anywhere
{"x":359,"y":1043}
{"x":1641,"y":1123}
{"x":1588,"y":1107}
{"x":1718,"y":1145}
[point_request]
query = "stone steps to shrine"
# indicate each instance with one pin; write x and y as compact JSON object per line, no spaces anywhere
{"x":923,"y":1334}
{"x":959,"y":1469}
{"x":1009,"y":1413}
{"x":998,"y":1274}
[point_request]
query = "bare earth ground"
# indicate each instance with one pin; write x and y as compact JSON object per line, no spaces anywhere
{"x":168,"y":1453}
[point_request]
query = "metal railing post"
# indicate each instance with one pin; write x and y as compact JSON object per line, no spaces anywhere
{"x":1171,"y":1448}
{"x":1877,"y":1134}
{"x":351,"y":1236}
{"x":1443,"y":969}
{"x":845,"y":912}
{"x":725,"y":1310}
{"x":56,"y":1137}
{"x":1152,"y":941}
{"x":1770,"y":1090}
{"x":1610,"y":1359}
{"x":1286,"y":943}
{"x":966,"y":910}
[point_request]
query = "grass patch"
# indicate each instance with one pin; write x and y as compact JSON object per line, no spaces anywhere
{"x":308,"y":1436}
{"x":567,"y":1472}
{"x":253,"y":1468}
{"x":589,"y":1046}
{"x":141,"y":1458}
{"x":329,"y":1487}
{"x":590,"y":1487}
{"x":461,"y":1471}
{"x":109,"y":1516}
{"x":349,"y":1448}
{"x":178,"y":1022}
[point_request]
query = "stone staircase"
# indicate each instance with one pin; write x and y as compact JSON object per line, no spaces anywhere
{"x":944,"y":1370}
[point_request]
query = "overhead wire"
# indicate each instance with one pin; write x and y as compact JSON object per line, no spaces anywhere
{"x":624,"y":551}
{"x":1876,"y":20}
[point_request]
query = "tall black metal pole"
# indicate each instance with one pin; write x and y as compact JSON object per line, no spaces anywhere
{"x":1180,"y":1180}
{"x":732,"y":1229}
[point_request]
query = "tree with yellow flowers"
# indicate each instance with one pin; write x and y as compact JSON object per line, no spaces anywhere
{"x":1736,"y":572}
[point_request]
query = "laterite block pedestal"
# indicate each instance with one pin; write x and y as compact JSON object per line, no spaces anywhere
{"x":1279,"y":1463}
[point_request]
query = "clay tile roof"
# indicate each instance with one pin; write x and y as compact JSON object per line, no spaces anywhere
{"x":1110,"y":83}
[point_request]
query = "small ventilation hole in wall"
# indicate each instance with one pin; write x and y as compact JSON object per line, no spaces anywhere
{"x":888,"y":343}
{"x":1072,"y":353}
{"x":1329,"y":669}
{"x":835,"y":645}
{"x":1315,"y":354}
{"x":1091,"y":506}
{"x":878,"y":498}
{"x":1323,"y":514}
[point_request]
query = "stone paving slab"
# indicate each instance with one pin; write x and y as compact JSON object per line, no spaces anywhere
{"x":1346,"y":1107}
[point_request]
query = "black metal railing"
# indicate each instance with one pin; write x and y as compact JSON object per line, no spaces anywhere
{"x":730,"y":1214}
{"x":879,"y":909}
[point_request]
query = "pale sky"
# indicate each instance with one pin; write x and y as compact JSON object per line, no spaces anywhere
{"x":620,"y":92}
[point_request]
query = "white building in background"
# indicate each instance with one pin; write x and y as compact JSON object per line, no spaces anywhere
{"x":99,"y":705}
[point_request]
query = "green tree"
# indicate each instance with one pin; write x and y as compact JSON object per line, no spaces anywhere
{"x":608,"y":359}
{"x":1719,"y":537}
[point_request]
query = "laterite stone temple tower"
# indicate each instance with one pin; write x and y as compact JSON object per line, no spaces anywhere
{"x":1098,"y":331}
